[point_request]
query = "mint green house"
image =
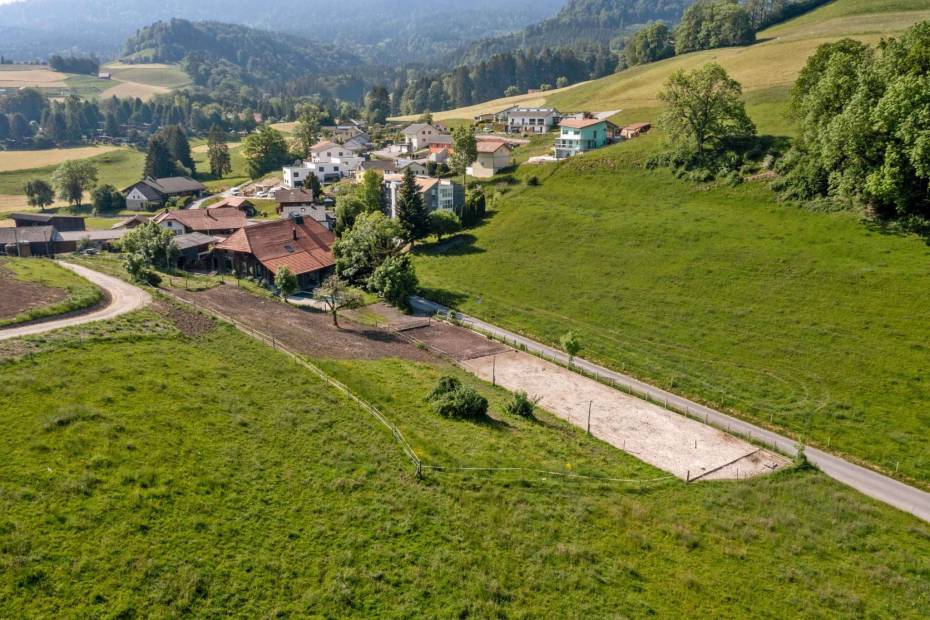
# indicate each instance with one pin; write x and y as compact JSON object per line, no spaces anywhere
{"x":580,"y":135}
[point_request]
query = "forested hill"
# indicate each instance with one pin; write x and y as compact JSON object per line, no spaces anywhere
{"x":580,"y":24}
{"x":211,"y":51}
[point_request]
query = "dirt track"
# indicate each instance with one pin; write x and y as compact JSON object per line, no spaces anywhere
{"x":308,"y":332}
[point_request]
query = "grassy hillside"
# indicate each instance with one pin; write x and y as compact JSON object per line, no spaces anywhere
{"x":770,"y":65}
{"x":775,"y":313}
{"x":137,"y":486}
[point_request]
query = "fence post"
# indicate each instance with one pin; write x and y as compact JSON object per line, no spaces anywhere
{"x":590,"y":402}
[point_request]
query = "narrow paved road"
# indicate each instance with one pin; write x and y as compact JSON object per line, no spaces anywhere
{"x":873,"y":484}
{"x":124,"y":298}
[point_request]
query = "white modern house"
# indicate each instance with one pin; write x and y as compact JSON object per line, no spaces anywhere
{"x":296,"y":176}
{"x":347,"y":156}
{"x":531,"y":120}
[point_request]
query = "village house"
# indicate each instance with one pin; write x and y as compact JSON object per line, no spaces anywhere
{"x":222,"y":221}
{"x":348,"y":156}
{"x":421,"y":135}
{"x":296,"y":176}
{"x":302,"y":245}
{"x":150,"y":194}
{"x":418,"y":166}
{"x":381,"y":166}
{"x":493,"y":156}
{"x":300,"y":203}
{"x":437,"y":193}
{"x":439,"y":153}
{"x":195,"y":250}
{"x":581,"y":135}
{"x":236,"y":202}
{"x":531,"y":120}
{"x":131,"y":222}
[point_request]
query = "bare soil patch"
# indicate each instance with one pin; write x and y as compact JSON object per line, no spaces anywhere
{"x":671,"y":442}
{"x":455,"y":342}
{"x":190,"y":323}
{"x":17,"y":296}
{"x":305,"y":331}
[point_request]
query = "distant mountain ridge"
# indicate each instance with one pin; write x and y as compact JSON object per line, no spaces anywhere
{"x":384,"y":31}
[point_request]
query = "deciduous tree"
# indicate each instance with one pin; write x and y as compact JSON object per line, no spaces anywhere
{"x":74,"y":177}
{"x":218,"y":152}
{"x":336,"y":294}
{"x":264,"y":151}
{"x":39,"y":193}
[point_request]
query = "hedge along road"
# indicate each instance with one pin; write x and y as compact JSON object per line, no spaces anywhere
{"x":884,"y":489}
{"x":124,"y":298}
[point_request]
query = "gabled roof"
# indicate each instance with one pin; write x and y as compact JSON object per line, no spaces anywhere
{"x":206,"y":220}
{"x":236,"y":202}
{"x":385,"y":165}
{"x":109,"y":234}
{"x":292,"y":196}
{"x":167,"y":186}
{"x":302,"y":247}
{"x":582,"y":123}
{"x":531,"y":111}
{"x":27,"y":234}
{"x":135,"y":220}
{"x":43,"y":218}
{"x":194,"y":240}
{"x":492,"y":146}
{"x":417,"y":128}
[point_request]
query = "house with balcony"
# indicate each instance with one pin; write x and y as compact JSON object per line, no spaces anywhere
{"x":582,"y":135}
{"x":531,"y":120}
{"x":437,"y":193}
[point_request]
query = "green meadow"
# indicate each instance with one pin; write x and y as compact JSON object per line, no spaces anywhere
{"x":149,"y":473}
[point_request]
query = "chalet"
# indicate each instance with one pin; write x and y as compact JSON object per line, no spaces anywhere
{"x":635,"y":130}
{"x":222,"y":221}
{"x":381,"y":166}
{"x":493,"y":155}
{"x":60,"y":222}
{"x":531,"y":120}
{"x":294,"y":203}
{"x":581,"y":135}
{"x":300,"y":244}
{"x":236,"y":202}
{"x":417,"y":165}
{"x":421,"y":135}
{"x":150,"y":194}
{"x":437,"y":193}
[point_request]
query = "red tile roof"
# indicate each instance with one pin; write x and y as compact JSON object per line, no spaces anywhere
{"x":207,"y":220}
{"x":274,"y":245}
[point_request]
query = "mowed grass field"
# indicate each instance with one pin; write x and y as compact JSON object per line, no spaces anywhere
{"x":79,"y":292}
{"x":133,"y":486}
{"x":814,"y":324}
{"x":140,"y":80}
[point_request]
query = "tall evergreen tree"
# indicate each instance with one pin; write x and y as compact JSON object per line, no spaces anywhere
{"x":158,"y":160}
{"x":178,"y":146}
{"x":411,"y":211}
{"x":4,"y":126}
{"x":218,"y":152}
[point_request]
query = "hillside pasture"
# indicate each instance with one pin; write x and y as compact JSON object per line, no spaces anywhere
{"x":28,"y":75}
{"x":152,"y":74}
{"x":268,"y":493}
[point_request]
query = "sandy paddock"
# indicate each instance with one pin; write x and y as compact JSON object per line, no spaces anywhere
{"x":669,"y":441}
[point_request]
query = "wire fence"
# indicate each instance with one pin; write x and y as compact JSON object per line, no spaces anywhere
{"x":406,"y":448}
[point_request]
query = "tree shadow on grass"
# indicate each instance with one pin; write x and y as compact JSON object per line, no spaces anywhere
{"x":450,"y":299}
{"x":899,"y":228}
{"x":461,"y":244}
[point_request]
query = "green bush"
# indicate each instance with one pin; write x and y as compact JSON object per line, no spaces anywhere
{"x":522,"y":405}
{"x":532,"y":181}
{"x":451,"y":399}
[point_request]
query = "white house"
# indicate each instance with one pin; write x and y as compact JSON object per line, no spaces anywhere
{"x":297,"y":175}
{"x":531,"y":120}
{"x":417,"y":165}
{"x":421,"y":135}
{"x":347,"y":156}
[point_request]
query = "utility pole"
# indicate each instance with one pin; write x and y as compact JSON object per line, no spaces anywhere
{"x":590,"y":402}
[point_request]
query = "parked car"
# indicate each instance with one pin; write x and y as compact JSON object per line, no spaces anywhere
{"x":235,"y":191}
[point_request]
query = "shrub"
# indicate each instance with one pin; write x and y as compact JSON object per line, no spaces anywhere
{"x":522,"y":405}
{"x":451,"y":399}
{"x":532,"y":181}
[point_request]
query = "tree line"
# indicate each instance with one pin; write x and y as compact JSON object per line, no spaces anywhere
{"x":88,"y":65}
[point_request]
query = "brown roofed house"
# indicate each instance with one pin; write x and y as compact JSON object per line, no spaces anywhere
{"x":220,"y":221}
{"x":302,"y":245}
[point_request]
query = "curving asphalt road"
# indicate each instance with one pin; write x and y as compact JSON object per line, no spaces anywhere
{"x":866,"y":481}
{"x":124,"y":297}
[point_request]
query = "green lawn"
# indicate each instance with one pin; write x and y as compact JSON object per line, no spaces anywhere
{"x":136,"y":486}
{"x":81,"y":293}
{"x":815,"y":324}
{"x":237,"y":176}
